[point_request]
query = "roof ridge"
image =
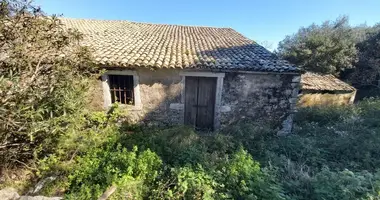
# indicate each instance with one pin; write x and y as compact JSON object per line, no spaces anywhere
{"x":148,"y":23}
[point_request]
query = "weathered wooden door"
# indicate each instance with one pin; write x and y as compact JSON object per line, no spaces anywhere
{"x":200,"y":101}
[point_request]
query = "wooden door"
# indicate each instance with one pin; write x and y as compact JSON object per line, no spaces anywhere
{"x":200,"y":102}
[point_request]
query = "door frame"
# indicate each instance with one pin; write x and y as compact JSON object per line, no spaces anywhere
{"x":218,"y":92}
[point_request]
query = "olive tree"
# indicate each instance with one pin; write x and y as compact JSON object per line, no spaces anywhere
{"x":328,"y":48}
{"x":367,"y":71}
{"x":42,"y":73}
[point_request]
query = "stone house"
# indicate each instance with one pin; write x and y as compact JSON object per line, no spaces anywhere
{"x":319,"y":89}
{"x":200,"y":76}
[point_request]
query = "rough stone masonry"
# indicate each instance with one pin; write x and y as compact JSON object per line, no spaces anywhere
{"x":266,"y":96}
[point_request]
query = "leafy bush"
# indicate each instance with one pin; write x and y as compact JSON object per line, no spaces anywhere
{"x":43,"y":77}
{"x":176,"y":145}
{"x":350,"y":141}
{"x":238,"y":177}
{"x":243,"y":179}
{"x":345,"y":185}
{"x":100,"y":168}
{"x":185,"y":183}
{"x":324,"y":115}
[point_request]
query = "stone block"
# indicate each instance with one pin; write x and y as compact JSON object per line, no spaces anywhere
{"x":287,"y":126}
{"x":296,"y":79}
{"x":273,"y":100}
{"x":288,"y":92}
{"x":224,"y":109}
{"x":295,"y":92}
{"x":39,"y":198}
{"x":176,"y":106}
{"x":9,"y":194}
{"x":293,"y":100}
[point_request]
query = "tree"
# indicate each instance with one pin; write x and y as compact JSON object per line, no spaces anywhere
{"x":42,"y":69}
{"x":367,"y":72}
{"x":328,"y":48}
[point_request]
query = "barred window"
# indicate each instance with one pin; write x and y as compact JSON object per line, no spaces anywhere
{"x":121,"y":87}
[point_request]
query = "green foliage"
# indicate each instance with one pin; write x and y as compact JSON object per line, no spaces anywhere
{"x":177,"y":145}
{"x":238,"y":177}
{"x":243,"y":179}
{"x":335,"y":47}
{"x":327,"y":48}
{"x":325,"y":115}
{"x":345,"y":185}
{"x":367,"y":72}
{"x":100,"y":168}
{"x":332,"y":154}
{"x":185,"y":183}
{"x":316,"y":159}
{"x":44,"y":75}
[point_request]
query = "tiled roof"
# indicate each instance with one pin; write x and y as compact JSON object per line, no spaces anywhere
{"x":312,"y":81}
{"x":121,"y":43}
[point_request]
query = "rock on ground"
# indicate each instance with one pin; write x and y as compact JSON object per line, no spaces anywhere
{"x":11,"y":194}
{"x":39,"y":198}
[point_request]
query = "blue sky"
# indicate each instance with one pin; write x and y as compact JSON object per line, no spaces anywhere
{"x":265,"y":20}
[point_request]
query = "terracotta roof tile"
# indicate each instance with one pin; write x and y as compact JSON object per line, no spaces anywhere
{"x":312,"y":81}
{"x":130,"y":44}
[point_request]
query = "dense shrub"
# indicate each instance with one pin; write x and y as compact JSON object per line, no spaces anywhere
{"x":237,"y":177}
{"x":100,"y":168}
{"x":176,"y":145}
{"x":345,"y":185}
{"x":330,"y":159}
{"x":244,"y":179}
{"x":44,"y":75}
{"x":350,"y":141}
{"x":323,"y":159}
{"x":185,"y":183}
{"x":324,"y":115}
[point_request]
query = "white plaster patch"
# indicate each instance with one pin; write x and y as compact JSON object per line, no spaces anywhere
{"x":225,"y":109}
{"x":177,"y":106}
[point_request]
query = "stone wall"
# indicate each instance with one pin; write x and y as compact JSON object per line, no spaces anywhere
{"x":309,"y":98}
{"x":158,"y":90}
{"x":244,"y":96}
{"x":258,"y":96}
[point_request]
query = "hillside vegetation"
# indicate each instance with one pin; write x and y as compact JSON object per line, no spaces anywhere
{"x":332,"y":154}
